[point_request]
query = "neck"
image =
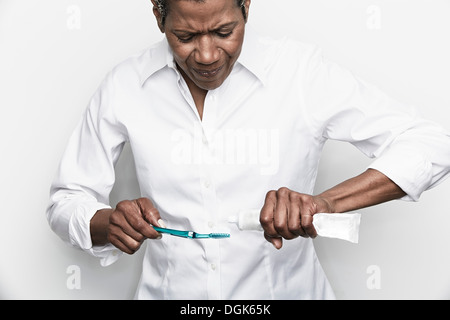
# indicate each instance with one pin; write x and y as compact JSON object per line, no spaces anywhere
{"x":198,"y":94}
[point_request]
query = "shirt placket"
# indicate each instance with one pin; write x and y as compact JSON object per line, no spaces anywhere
{"x":203,"y":136}
{"x":208,"y":186}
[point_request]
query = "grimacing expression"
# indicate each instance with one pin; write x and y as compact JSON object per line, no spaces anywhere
{"x":206,"y":38}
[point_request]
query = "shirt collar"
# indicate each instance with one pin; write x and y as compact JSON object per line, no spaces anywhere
{"x":157,"y":57}
{"x":252,"y":57}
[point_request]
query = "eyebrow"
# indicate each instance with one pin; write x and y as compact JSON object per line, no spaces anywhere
{"x":223,"y":26}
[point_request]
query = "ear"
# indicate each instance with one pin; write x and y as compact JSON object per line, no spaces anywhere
{"x":158,"y":16}
{"x":247,"y":8}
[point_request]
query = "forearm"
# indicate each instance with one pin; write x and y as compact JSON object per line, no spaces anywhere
{"x":365,"y":190}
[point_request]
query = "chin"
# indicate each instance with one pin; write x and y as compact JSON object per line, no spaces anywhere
{"x":210,"y":85}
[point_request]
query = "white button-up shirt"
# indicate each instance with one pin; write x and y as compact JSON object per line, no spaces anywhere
{"x":263,"y":129}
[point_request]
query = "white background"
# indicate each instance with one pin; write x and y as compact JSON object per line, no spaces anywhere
{"x":53,"y":55}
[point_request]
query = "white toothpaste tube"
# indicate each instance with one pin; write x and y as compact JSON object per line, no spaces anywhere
{"x":344,"y":226}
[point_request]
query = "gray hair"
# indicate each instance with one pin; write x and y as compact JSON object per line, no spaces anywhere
{"x":163,"y":8}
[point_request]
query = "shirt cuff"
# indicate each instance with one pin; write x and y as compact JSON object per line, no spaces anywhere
{"x":108,"y":254}
{"x":407,"y":168}
{"x":80,"y":234}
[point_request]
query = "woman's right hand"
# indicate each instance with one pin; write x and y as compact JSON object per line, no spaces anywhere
{"x":126,"y":226}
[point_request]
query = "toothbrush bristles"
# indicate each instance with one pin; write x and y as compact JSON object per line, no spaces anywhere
{"x":220,"y":235}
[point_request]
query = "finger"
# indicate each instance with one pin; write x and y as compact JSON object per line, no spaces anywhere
{"x":120,"y":222}
{"x":276,"y":241}
{"x":122,"y":241}
{"x":119,"y":245}
{"x":281,"y":215}
{"x":267,"y":212}
{"x":294,"y":224}
{"x":306,"y":221}
{"x":131,"y":211}
{"x":150,"y":217}
{"x":149,"y":212}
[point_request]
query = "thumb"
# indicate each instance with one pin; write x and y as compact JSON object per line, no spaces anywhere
{"x":277,"y":242}
{"x":149,"y":212}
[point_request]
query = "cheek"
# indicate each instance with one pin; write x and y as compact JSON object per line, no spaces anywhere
{"x":233,"y":46}
{"x":233,"y":50}
{"x":237,"y":49}
{"x":181,"y":53}
{"x":181,"y":59}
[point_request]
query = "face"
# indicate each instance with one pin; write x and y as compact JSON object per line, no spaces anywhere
{"x":206,"y":39}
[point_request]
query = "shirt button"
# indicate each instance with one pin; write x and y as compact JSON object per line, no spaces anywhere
{"x":206,"y":184}
{"x":213,"y":266}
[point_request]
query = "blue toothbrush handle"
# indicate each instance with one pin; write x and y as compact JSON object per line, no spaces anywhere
{"x":178,"y":233}
{"x":192,"y":234}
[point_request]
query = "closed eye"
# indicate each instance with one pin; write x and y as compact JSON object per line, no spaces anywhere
{"x":185,"y":39}
{"x":224,"y":35}
{"x":224,"y":31}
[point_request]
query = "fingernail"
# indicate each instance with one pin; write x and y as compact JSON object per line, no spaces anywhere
{"x":161,"y":223}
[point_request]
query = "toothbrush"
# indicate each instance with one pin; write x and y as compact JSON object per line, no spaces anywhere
{"x":192,"y":234}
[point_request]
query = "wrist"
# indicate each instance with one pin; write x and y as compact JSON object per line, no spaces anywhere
{"x":99,"y":226}
{"x":324,"y":204}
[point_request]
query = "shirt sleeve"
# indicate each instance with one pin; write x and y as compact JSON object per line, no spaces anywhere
{"x":86,"y":175}
{"x":412,"y":151}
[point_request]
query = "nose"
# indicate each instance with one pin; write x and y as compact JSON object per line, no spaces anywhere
{"x":207,"y":51}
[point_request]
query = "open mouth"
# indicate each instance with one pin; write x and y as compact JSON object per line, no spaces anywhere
{"x":208,"y":73}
